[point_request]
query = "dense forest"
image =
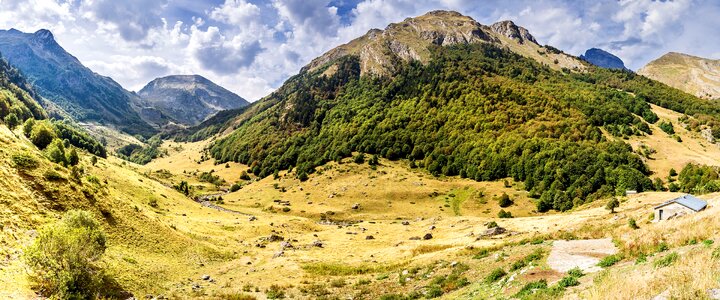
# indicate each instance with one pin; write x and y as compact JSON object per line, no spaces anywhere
{"x":477,"y":111}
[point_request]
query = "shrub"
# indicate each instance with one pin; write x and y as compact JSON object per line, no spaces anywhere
{"x":72,"y":157}
{"x":673,"y":173}
{"x":28,"y":126}
{"x":633,"y":224}
{"x":24,"y":161}
{"x":492,"y":224}
{"x":667,"y":127}
{"x":359,"y":159}
{"x":235,"y":187}
{"x":504,"y":214}
{"x":495,"y":275}
{"x":244,"y":176}
{"x":64,"y":257}
{"x":51,"y":175}
{"x":93,"y":160}
{"x":610,"y":260}
{"x":275,"y":292}
{"x":576,"y":272}
{"x":56,"y":152}
{"x":568,"y":281}
{"x":42,"y":135}
{"x":12,"y":121}
{"x":666,"y":260}
{"x":662,"y":247}
{"x":530,"y":288}
{"x":504,"y":200}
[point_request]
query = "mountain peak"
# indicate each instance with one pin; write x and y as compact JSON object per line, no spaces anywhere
{"x":603,"y":59}
{"x":44,"y":34}
{"x":512,"y":31}
{"x":692,"y":74}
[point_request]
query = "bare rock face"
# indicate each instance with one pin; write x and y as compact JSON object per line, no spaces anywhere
{"x":512,"y":31}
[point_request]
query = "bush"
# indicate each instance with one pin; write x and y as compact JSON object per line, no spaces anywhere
{"x":244,"y":176}
{"x":28,"y":126}
{"x":568,"y":281}
{"x":504,"y":200}
{"x":633,"y":224}
{"x":63,"y":259}
{"x":504,"y":214}
{"x":530,"y":288}
{"x":56,"y":152}
{"x":24,"y":161}
{"x":235,"y":187}
{"x":576,"y":272}
{"x":359,"y":159}
{"x":12,"y":121}
{"x":42,"y":135}
{"x":666,"y":260}
{"x":495,"y":275}
{"x":610,"y":260}
{"x":667,"y":127}
{"x":72,"y":157}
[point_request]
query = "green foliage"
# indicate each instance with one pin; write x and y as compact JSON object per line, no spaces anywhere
{"x":504,"y":200}
{"x":244,"y":176}
{"x":699,"y":179}
{"x":139,"y":154}
{"x":79,"y":138}
{"x":183,"y":188}
{"x":42,"y":134}
{"x":673,"y":173}
{"x":491,"y":224}
{"x":210,"y":178}
{"x":568,"y":281}
{"x":359,"y":158}
{"x":56,"y":152}
{"x":667,"y":127}
{"x":576,"y":272}
{"x":610,"y":260}
{"x":666,"y":260}
{"x":28,"y":126}
{"x":502,"y":214}
{"x":235,"y":187}
{"x":476,"y":111}
{"x":12,"y":121}
{"x":530,"y":288}
{"x":64,"y":257}
{"x":612,"y":204}
{"x":633,"y":224}
{"x":24,"y":161}
{"x":495,"y":275}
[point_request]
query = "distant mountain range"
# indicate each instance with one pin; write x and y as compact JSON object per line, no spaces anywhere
{"x":695,"y":75}
{"x":189,"y":99}
{"x":62,"y":79}
{"x":602,"y":58}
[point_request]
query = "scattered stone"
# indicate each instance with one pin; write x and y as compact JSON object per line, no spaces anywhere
{"x":713,"y":293}
{"x":356,"y":206}
{"x":665,"y":295}
{"x":369,"y":237}
{"x":432,"y":227}
{"x":318,"y":244}
{"x":427,"y":236}
{"x":205,"y":277}
{"x":252,"y":218}
{"x":284,"y":245}
{"x":274,"y":238}
{"x":493,"y":231}
{"x":278,"y":254}
{"x":453,"y":264}
{"x":406,"y":223}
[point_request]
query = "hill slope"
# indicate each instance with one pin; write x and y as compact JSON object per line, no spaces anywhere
{"x":62,"y":79}
{"x":695,"y":75}
{"x":189,"y":99}
{"x":472,"y":107}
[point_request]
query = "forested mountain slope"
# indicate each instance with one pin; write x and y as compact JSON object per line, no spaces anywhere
{"x":473,"y":107}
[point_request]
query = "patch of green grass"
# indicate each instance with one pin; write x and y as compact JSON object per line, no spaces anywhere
{"x":495,"y":275}
{"x":568,"y":281}
{"x":337,"y":269}
{"x":666,"y":260}
{"x":610,"y":260}
{"x":531,"y":288}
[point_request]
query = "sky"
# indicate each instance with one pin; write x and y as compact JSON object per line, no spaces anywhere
{"x":252,"y":46}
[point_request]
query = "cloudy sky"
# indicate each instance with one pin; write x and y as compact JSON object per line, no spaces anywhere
{"x":252,"y":46}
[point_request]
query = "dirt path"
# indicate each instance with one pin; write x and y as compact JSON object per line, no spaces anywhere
{"x":585,"y":254}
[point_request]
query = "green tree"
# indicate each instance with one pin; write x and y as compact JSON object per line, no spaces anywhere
{"x":28,"y":126}
{"x":63,"y":259}
{"x":12,"y":121}
{"x":56,"y":152}
{"x":72,"y":157}
{"x":42,"y":134}
{"x":612,"y":205}
{"x":504,"y":200}
{"x":93,"y":160}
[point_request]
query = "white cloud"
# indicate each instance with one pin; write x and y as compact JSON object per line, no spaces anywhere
{"x":237,"y":12}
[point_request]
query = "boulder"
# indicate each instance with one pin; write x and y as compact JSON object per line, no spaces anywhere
{"x":205,"y":277}
{"x":493,"y":231}
{"x":427,"y":236}
{"x":356,"y":206}
{"x":369,"y":237}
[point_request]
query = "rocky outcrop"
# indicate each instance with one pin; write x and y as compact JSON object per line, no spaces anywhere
{"x":512,"y":31}
{"x":603,"y":59}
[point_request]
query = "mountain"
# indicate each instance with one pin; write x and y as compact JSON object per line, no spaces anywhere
{"x":456,"y":97}
{"x":189,"y":99}
{"x":602,"y":58}
{"x":62,"y":79}
{"x":17,"y":98}
{"x":695,"y":75}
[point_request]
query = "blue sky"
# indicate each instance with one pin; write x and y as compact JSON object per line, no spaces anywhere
{"x":252,"y":46}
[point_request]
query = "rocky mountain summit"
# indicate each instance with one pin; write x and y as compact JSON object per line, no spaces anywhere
{"x":602,"y":58}
{"x":695,"y":75}
{"x":381,"y":51}
{"x":189,"y":99}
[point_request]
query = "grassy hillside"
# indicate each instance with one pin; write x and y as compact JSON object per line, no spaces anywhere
{"x":695,"y":75}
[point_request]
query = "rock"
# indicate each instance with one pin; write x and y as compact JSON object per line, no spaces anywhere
{"x":493,"y":231}
{"x":453,"y":264}
{"x":274,"y":238}
{"x":252,"y":218}
{"x":284,"y":245}
{"x":278,"y":254}
{"x":205,"y":277}
{"x":318,"y":244}
{"x":432,"y":227}
{"x":665,"y":295}
{"x":405,"y":272}
{"x":405,"y":223}
{"x":713,"y":293}
{"x":415,"y":238}
{"x":356,"y":206}
{"x":369,"y":237}
{"x":427,"y":236}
